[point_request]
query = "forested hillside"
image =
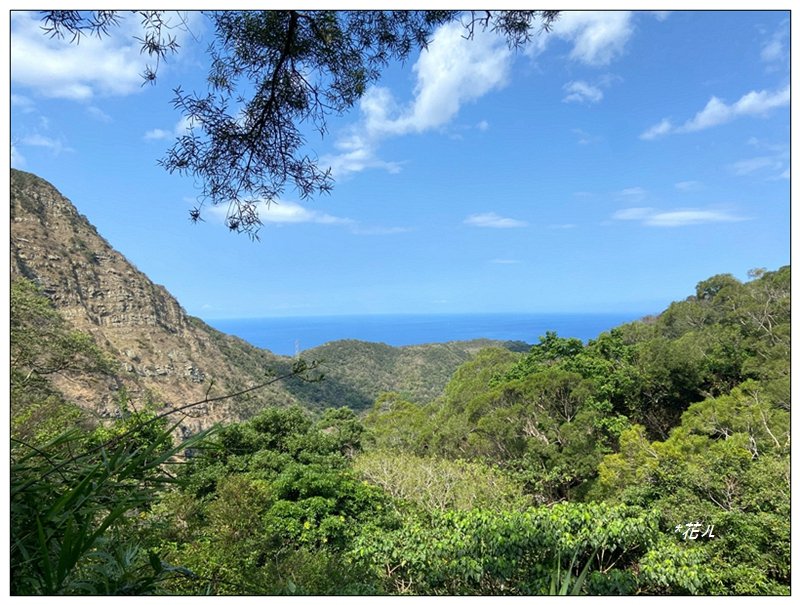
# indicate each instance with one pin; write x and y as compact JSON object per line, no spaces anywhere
{"x":160,"y":356}
{"x":357,"y":372}
{"x":653,"y":460}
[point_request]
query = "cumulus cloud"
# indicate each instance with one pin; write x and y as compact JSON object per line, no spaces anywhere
{"x":660,"y":129}
{"x":452,"y":71}
{"x":753,"y":103}
{"x":688,"y":186}
{"x":288,"y":212}
{"x":716,"y":112}
{"x":493,"y":220}
{"x":284,"y":213}
{"x":55,"y":68}
{"x":357,"y":152}
{"x":582,"y":92}
{"x":675,"y":218}
{"x":597,"y":37}
{"x":157,"y":134}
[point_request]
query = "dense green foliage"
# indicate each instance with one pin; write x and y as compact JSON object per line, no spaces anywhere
{"x":652,"y":460}
{"x":357,"y":372}
{"x":76,"y":503}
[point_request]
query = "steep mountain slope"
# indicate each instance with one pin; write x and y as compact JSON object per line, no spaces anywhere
{"x":169,"y":358}
{"x":164,"y":355}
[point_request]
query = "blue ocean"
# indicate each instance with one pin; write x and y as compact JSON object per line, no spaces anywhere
{"x":288,"y":335}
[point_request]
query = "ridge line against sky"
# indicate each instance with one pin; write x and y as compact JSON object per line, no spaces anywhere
{"x":608,"y":167}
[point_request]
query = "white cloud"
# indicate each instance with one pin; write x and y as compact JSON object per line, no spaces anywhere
{"x":451,"y":72}
{"x":157,"y":134}
{"x":680,"y":218}
{"x":181,"y":127}
{"x":98,"y":114}
{"x":23,"y":102}
{"x":633,"y":214}
{"x":768,"y":146}
{"x":750,"y":165}
{"x":660,"y":129}
{"x":774,"y":49}
{"x":358,"y":152}
{"x":289,"y":212}
{"x":717,"y":112}
{"x":582,"y":92}
{"x":455,"y":71}
{"x":284,"y":213}
{"x":753,"y":103}
{"x":493,"y":221}
{"x":56,"y":68}
{"x":17,"y":159}
{"x":39,"y":140}
{"x":774,"y":159}
{"x":597,"y":37}
{"x":633,"y":192}
{"x":675,"y":218}
{"x":584,"y":138}
{"x":688,"y":186}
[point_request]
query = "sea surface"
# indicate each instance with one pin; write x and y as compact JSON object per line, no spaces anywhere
{"x":291,"y":335}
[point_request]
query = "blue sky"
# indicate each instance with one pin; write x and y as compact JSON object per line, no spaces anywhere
{"x":609,"y":166}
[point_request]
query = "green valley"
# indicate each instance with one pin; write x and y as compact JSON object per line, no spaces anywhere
{"x":653,"y":460}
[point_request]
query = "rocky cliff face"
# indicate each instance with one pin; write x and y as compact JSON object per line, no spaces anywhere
{"x":164,"y":355}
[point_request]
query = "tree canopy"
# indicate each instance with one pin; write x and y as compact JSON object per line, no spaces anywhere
{"x":651,"y":460}
{"x":272,"y":72}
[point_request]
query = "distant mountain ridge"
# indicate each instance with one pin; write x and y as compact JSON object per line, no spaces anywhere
{"x":359,"y":371}
{"x":168,"y":357}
